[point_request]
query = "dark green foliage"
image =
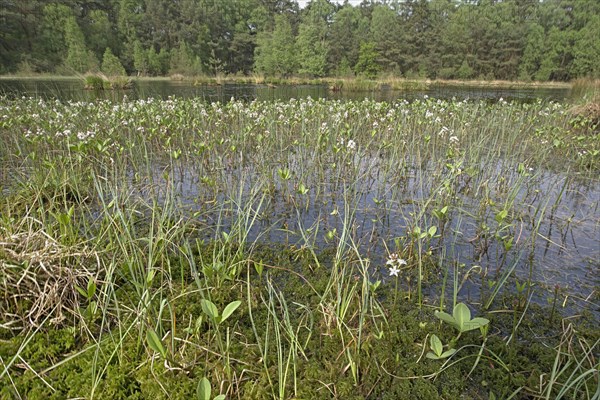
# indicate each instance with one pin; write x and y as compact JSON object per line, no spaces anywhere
{"x":511,"y":39}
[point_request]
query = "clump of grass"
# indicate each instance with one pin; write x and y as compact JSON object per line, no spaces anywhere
{"x":95,"y":82}
{"x":588,"y":114}
{"x":583,"y":88}
{"x":102,"y":82}
{"x":40,"y":276}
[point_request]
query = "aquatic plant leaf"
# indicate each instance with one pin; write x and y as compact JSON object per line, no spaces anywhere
{"x":220,"y":397}
{"x":90,"y":311}
{"x":81,"y":291}
{"x":501,"y":215}
{"x":229,"y":309}
{"x":155,"y":343}
{"x":91,"y":288}
{"x":259,"y":268}
{"x":461,"y":315}
{"x":444,"y":316}
{"x":448,"y":353}
{"x":432,"y":231}
{"x":209,"y":308}
{"x":461,"y":318}
{"x":436,"y":345}
{"x":476,"y":323}
{"x":64,"y":219}
{"x":203,"y":391}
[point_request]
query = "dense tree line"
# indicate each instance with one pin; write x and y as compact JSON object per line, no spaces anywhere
{"x":464,"y":39}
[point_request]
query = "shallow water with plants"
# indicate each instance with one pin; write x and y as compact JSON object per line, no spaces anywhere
{"x":299,"y":249}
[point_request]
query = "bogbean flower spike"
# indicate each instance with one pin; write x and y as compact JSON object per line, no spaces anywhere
{"x":394,"y":263}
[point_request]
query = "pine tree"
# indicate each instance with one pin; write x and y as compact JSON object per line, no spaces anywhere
{"x":111,"y":66}
{"x":79,"y":58}
{"x":274,"y":54}
{"x":183,"y":61}
{"x":140,"y":59}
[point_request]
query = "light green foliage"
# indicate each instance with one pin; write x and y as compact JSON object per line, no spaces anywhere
{"x":311,"y":43}
{"x":312,"y":50}
{"x":367,"y":61}
{"x":204,"y":391}
{"x":438,"y":353}
{"x":586,"y":50}
{"x":140,"y":59}
{"x":347,"y":30}
{"x":465,"y":71}
{"x":111,"y":66}
{"x":155,"y":343}
{"x":533,"y":53}
{"x":157,"y":62}
{"x":461,"y":318}
{"x":98,"y":30}
{"x":79,"y":58}
{"x":52,"y":45}
{"x":385,"y":47}
{"x":210,"y":309}
{"x":274,"y":53}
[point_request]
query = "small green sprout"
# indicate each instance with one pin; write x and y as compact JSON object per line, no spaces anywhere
{"x":438,"y":349}
{"x":204,"y":391}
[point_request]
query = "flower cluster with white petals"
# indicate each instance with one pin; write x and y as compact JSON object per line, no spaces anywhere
{"x":394,"y":263}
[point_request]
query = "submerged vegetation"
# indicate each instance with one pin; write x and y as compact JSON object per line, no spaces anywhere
{"x":299,"y":249}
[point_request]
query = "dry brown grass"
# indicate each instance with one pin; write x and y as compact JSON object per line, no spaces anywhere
{"x":39,"y":278}
{"x":589,"y":112}
{"x":501,"y":84}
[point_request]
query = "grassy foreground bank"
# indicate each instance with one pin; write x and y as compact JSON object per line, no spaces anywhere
{"x":151,"y":249}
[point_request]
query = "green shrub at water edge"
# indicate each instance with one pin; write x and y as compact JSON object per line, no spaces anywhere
{"x":95,"y":82}
{"x":111,"y":65}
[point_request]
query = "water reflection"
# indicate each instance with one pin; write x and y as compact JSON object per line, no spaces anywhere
{"x":556,"y":235}
{"x":72,"y":89}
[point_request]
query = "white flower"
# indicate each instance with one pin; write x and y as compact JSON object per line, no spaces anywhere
{"x":351,"y":144}
{"x":395,"y":262}
{"x":453,"y":139}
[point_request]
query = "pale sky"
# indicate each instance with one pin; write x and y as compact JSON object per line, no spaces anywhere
{"x":303,"y":3}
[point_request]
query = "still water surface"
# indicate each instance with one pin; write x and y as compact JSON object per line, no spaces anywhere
{"x":564,"y":250}
{"x":72,"y":89}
